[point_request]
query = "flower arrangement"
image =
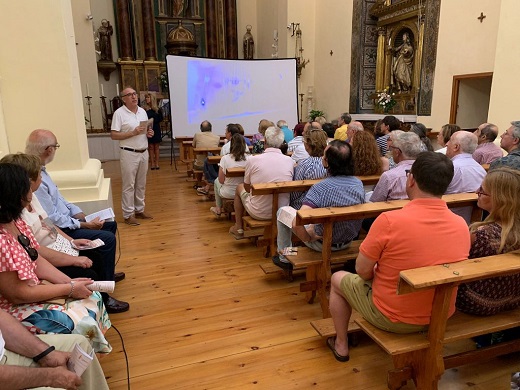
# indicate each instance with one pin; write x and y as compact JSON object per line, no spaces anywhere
{"x":163,"y":79}
{"x":313,"y":114}
{"x":385,"y":100}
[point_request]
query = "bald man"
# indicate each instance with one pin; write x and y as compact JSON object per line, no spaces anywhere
{"x":487,"y":151}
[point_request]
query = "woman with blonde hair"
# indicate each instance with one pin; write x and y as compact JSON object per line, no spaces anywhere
{"x":150,"y":105}
{"x":366,"y":156}
{"x":498,"y":233}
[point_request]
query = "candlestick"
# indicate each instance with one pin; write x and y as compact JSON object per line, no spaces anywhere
{"x":88,"y":93}
{"x":117,"y":89}
{"x":102,"y":91}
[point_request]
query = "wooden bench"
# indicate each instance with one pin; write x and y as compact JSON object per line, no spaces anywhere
{"x":284,"y":187}
{"x":419,"y":356}
{"x":328,"y":216}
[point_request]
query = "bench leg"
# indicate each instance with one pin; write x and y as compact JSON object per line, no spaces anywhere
{"x":310,"y":276}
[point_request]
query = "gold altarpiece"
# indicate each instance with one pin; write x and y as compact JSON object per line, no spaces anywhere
{"x":400,"y":27}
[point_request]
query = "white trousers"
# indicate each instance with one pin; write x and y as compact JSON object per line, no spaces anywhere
{"x":134,"y":167}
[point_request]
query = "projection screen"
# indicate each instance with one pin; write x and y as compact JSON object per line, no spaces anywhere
{"x":230,"y":91}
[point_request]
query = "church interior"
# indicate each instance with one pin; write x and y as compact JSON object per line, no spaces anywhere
{"x":203,"y":313}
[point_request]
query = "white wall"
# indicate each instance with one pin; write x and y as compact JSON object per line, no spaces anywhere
{"x":504,"y":106}
{"x":332,"y":72}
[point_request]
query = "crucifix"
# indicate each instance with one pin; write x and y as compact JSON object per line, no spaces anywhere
{"x":481,"y":17}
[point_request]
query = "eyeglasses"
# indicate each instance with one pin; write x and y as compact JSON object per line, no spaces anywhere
{"x":55,"y":146}
{"x":393,"y":147}
{"x":130,"y":94}
{"x":26,"y":243}
{"x":481,"y":192}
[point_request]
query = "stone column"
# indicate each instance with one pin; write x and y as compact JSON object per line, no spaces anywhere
{"x":231,"y":29}
{"x":56,"y":79}
{"x":124,"y":32}
{"x":148,"y":31}
{"x":211,"y":29}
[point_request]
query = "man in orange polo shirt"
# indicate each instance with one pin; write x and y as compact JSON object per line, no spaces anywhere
{"x":423,"y":233}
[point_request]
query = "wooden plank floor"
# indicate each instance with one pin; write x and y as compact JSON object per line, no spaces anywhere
{"x":204,"y":316}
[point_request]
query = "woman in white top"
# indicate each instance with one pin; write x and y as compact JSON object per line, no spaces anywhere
{"x":225,"y":186}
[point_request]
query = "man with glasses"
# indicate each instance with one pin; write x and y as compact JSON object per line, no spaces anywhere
{"x":132,"y":136}
{"x":510,"y":141}
{"x":70,"y":218}
{"x":423,"y":233}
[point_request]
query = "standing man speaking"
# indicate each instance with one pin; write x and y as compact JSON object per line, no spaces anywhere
{"x":133,"y":143}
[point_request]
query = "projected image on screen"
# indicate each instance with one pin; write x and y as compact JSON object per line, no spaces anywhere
{"x":230,"y":91}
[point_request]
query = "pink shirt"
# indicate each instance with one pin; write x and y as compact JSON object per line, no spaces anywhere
{"x":487,"y":152}
{"x":268,"y":167}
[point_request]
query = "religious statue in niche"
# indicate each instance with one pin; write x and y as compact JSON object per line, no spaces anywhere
{"x":179,"y":8}
{"x":248,"y":44}
{"x":105,"y":32}
{"x":402,"y":65}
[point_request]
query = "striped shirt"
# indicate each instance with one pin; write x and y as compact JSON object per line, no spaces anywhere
{"x":487,"y":152}
{"x":337,"y":191}
{"x":309,"y":169}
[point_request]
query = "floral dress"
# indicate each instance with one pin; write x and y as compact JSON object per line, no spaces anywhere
{"x":86,"y":316}
{"x":489,"y":296}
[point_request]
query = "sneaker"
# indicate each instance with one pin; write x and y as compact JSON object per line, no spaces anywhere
{"x":282,"y":262}
{"x":132,"y":221}
{"x":202,"y":191}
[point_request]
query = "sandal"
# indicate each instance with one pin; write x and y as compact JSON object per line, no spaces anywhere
{"x":238,"y":233}
{"x":214,"y":211}
{"x":331,"y":343}
{"x":202,"y":191}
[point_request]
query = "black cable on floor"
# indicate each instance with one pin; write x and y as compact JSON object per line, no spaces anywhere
{"x":126,"y":356}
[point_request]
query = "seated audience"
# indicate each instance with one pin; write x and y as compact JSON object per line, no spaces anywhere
{"x":70,"y":218}
{"x":388,"y":124}
{"x":330,"y":130}
{"x":498,"y":233}
{"x":298,"y":137}
{"x":288,"y":135}
{"x":271,"y":166}
{"x":400,"y":240}
{"x":299,"y":152}
{"x":487,"y":151}
{"x":509,"y":141}
{"x":421,"y":131}
{"x":311,"y":168}
{"x":353,"y":128}
{"x":444,"y":136}
{"x":259,"y":138}
{"x":468,"y":174}
{"x":339,"y":188}
{"x":55,"y":246}
{"x":61,"y":304}
{"x":204,"y":139}
{"x":343,"y":123}
{"x":29,"y":361}
{"x":321,"y":120}
{"x":225,"y":187}
{"x":243,"y":134}
{"x":365,"y":154}
{"x":405,"y":148}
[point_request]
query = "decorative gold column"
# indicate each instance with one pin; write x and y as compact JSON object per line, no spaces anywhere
{"x":124,"y":32}
{"x":380,"y":64}
{"x":150,"y":53}
{"x":418,"y":55}
{"x":211,"y":29}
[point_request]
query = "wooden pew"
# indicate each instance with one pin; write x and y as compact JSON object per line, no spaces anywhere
{"x":319,"y":273}
{"x":420,"y":356}
{"x":277,"y":188}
